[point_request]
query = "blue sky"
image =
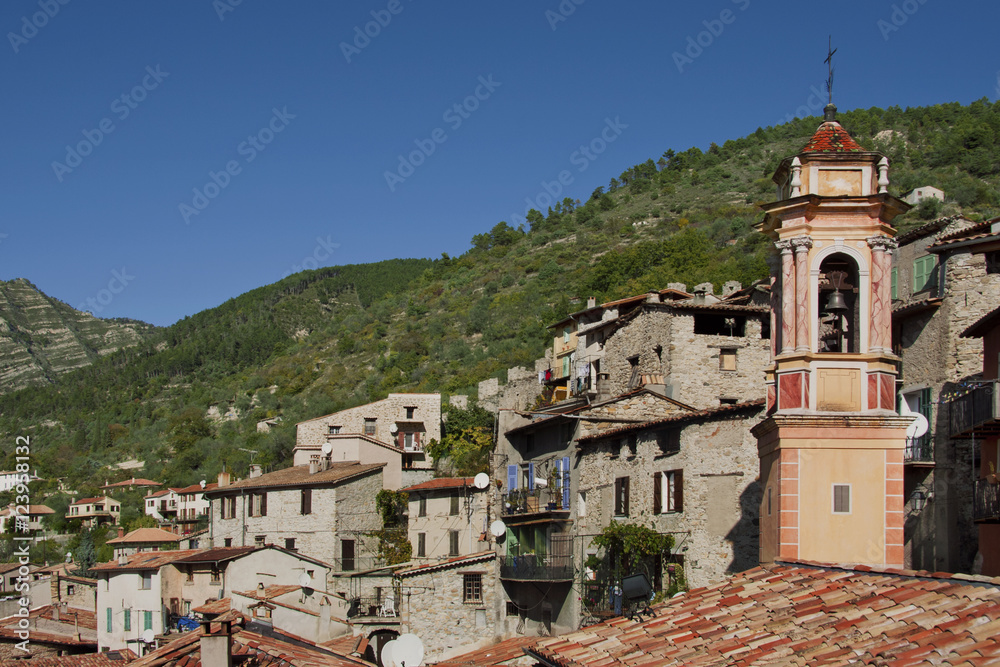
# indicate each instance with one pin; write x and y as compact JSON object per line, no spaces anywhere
{"x":286,"y":118}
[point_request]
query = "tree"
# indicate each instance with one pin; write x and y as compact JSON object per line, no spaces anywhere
{"x":628,"y":548}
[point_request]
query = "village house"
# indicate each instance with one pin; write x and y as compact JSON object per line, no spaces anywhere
{"x":143,"y":539}
{"x":131,"y":484}
{"x":95,"y":511}
{"x":446,"y":518}
{"x":9,"y":479}
{"x":70,"y":590}
{"x":53,"y":630}
{"x":31,"y":521}
{"x":324,"y":510}
{"x":393,"y":431}
{"x":304,"y":612}
{"x":943,"y":280}
{"x":180,"y":509}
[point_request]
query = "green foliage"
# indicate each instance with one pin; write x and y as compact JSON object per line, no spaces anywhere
{"x":393,"y":545}
{"x":627,"y":548}
{"x":392,"y":507}
{"x":467,"y":441}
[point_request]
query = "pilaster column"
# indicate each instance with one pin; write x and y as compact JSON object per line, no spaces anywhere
{"x":880,"y":336}
{"x":802,"y":244}
{"x":787,"y":279}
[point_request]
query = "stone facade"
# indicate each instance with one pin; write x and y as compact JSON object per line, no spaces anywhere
{"x":446,"y":609}
{"x":342,"y":512}
{"x":714,"y":519}
{"x":444,"y":507}
{"x":939,"y":532}
{"x":410,"y":420}
{"x":76,"y":592}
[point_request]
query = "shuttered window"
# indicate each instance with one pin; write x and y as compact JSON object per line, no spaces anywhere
{"x":453,"y":543}
{"x":923,"y":273}
{"x":621,"y":496}
{"x":668,"y":492}
{"x":306,"y":507}
{"x":841,"y":498}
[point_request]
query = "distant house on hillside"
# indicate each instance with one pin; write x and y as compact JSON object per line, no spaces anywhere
{"x":95,"y":511}
{"x":917,"y":195}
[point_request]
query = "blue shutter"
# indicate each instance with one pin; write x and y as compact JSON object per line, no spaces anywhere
{"x":565,"y":482}
{"x":511,"y":478}
{"x":531,"y":476}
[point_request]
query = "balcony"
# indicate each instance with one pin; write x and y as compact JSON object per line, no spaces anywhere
{"x":372,"y":607}
{"x":975,"y":412}
{"x":986,"y":507}
{"x":530,"y":502}
{"x":530,"y":567}
{"x":919,"y":451}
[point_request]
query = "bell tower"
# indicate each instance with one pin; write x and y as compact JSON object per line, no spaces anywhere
{"x":831,"y":448}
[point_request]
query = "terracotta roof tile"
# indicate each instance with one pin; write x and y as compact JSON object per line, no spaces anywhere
{"x":143,"y":535}
{"x":441,"y":483}
{"x":448,"y":562}
{"x":339,"y":471}
{"x":831,"y":138}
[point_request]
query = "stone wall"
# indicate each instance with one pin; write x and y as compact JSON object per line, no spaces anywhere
{"x":83,"y":596}
{"x":518,"y":393}
{"x":716,"y":530}
{"x":345,"y":511}
{"x":434,"y":610}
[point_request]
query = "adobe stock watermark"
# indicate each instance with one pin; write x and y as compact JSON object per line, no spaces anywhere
{"x":565,"y":9}
{"x":97,"y":303}
{"x":898,"y":17}
{"x":322,"y":252}
{"x":223,"y":7}
{"x":813,"y":104}
{"x":363,"y":36}
{"x":218,"y":181}
{"x":121,"y":106}
{"x":714,"y":28}
{"x":31,"y":25}
{"x":454,"y":116}
{"x":581,"y":158}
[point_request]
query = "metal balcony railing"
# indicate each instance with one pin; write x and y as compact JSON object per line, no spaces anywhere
{"x":987,"y":501}
{"x":530,"y":567}
{"x":919,"y":450}
{"x":373,"y":607}
{"x":523,"y":501}
{"x":974,"y":410}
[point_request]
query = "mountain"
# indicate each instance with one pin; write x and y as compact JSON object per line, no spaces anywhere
{"x":323,"y":340}
{"x":42,"y":338}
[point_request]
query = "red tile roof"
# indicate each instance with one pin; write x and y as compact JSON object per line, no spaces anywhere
{"x":448,"y":562}
{"x":218,"y":554}
{"x":298,"y":476}
{"x":146,"y":535}
{"x":494,"y":654}
{"x":682,"y":417}
{"x":195,"y":488}
{"x":796,"y":614}
{"x":33,"y":510}
{"x":831,"y":138}
{"x":214,"y":607}
{"x":145,"y":560}
{"x":441,"y":483}
{"x":110,"y":659}
{"x":135,"y":481}
{"x":91,"y":501}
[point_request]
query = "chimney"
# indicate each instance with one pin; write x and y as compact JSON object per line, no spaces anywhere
{"x":55,"y":613}
{"x":255,"y":470}
{"x":54,"y":587}
{"x":592,"y":302}
{"x":313,"y":465}
{"x":216,"y":649}
{"x":653,"y":296}
{"x":223,"y":479}
{"x":680,"y":287}
{"x":702,"y":291}
{"x":121,"y":531}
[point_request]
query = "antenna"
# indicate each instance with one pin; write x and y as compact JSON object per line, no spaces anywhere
{"x":407,"y":652}
{"x":252,"y":452}
{"x":481,"y":481}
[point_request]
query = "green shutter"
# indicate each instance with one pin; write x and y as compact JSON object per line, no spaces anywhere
{"x":109,"y":626}
{"x":895,"y":287}
{"x":147,"y":620}
{"x":128,"y":620}
{"x":923,"y":271}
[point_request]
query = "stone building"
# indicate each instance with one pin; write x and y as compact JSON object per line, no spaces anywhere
{"x":943,"y":281}
{"x":692,"y":475}
{"x":393,"y":431}
{"x":323,"y":510}
{"x":452,"y":604}
{"x":446,"y":518}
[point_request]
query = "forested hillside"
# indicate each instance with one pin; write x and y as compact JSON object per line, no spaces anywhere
{"x":323,"y":340}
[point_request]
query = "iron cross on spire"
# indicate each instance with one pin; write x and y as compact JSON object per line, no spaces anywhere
{"x":829,"y":63}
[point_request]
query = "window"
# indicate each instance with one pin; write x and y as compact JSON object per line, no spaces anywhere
{"x":668,"y":492}
{"x":369,"y":426}
{"x":895,"y":284}
{"x":147,"y":581}
{"x":128,"y":620}
{"x":720,"y":325}
{"x":633,"y":380}
{"x":147,"y":620}
{"x":421,"y":545}
{"x":566,"y":336}
{"x":454,"y":506}
{"x":422,"y":506}
{"x":258,"y":504}
{"x":259,"y":540}
{"x":727,"y":359}
{"x":409,"y":412}
{"x":227,"y":507}
{"x":306,"y":503}
{"x":70,"y":589}
{"x":581,"y":504}
{"x":512,"y":608}
{"x":923,"y":273}
{"x":621,"y":496}
{"x":472,"y":585}
{"x":633,"y":444}
{"x":216,"y":577}
{"x":769,"y":501}
{"x":841,"y":498}
{"x":190,"y":574}
{"x":669,"y":441}
{"x":408,"y":441}
{"x":290,"y":543}
{"x":565,"y":367}
{"x":335,"y":430}
{"x":453,"y":543}
{"x":347,"y":555}
{"x":109,"y":626}
{"x":228,"y":542}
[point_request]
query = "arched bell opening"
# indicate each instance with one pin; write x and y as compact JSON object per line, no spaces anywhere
{"x":839,"y":305}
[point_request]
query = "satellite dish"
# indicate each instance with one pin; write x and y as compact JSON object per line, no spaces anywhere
{"x":481,"y":481}
{"x":148,"y":636}
{"x":541,"y":481}
{"x":327,"y":448}
{"x":202,"y":484}
{"x":387,"y":654}
{"x":394,"y":428}
{"x":305,"y":580}
{"x":498,"y":528}
{"x":917,"y":427}
{"x":408,"y":651}
{"x":69,"y":556}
